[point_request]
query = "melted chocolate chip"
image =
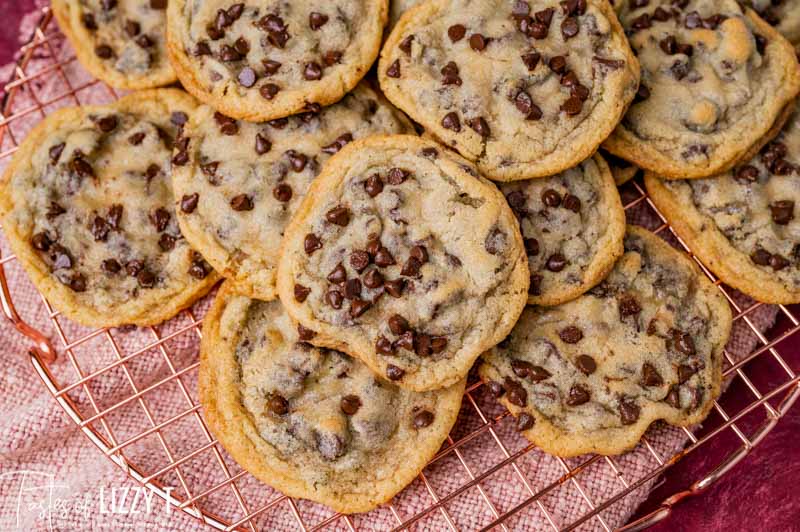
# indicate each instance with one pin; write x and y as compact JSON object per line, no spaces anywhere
{"x":350,"y":404}
{"x":301,"y":293}
{"x":456,"y":32}
{"x":586,"y":364}
{"x":278,"y":405}
{"x":451,"y":122}
{"x":782,"y":211}
{"x":628,"y":412}
{"x":578,"y":395}
{"x":422,"y":419}
{"x":317,"y":20}
{"x":650,"y":375}
{"x":394,"y":69}
{"x":339,"y":216}
{"x":358,"y":307}
{"x":394,"y":373}
{"x":373,"y":279}
{"x":525,"y":422}
{"x":571,"y":335}
{"x":311,"y":243}
{"x":516,"y":394}
{"x":556,"y":262}
{"x":395,"y":288}
{"x":525,"y":370}
{"x":242,"y":202}
{"x":282,"y":192}
{"x":338,"y":275}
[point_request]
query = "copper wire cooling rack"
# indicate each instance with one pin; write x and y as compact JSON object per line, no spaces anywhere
{"x":742,"y":417}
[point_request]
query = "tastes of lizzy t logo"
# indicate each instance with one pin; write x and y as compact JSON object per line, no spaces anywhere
{"x":35,"y":500}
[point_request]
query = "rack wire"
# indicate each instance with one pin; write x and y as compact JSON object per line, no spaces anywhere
{"x":234,"y":500}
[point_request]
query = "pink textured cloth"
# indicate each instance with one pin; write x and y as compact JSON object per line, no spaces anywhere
{"x":53,"y":477}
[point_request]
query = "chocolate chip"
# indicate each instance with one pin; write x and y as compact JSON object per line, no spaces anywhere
{"x":158,"y":4}
{"x":628,"y":412}
{"x":312,"y":71}
{"x":269,"y":90}
{"x":650,"y":375}
{"x":569,"y":28}
{"x":405,"y":44}
{"x":227,"y":125}
{"x":352,"y":289}
{"x":438,"y":344}
{"x":160,"y":219}
{"x":350,"y":404}
{"x":317,"y":20}
{"x":242,"y":202}
{"x":278,"y":405}
{"x":282,"y":192}
{"x":572,"y":203}
{"x":572,"y":106}
{"x":81,"y":167}
{"x":556,"y":262}
{"x":55,"y":152}
{"x":54,"y":211}
{"x":202,"y":49}
{"x":422,"y":419}
{"x":685,"y":373}
{"x":41,"y":241}
{"x":683,"y":342}
{"x":334,"y":298}
{"x":373,"y":185}
{"x":398,"y":324}
{"x":571,"y":335}
{"x":406,"y":341}
{"x":338,"y":275}
{"x":394,"y":69}
{"x":747,"y":173}
{"x":478,"y":42}
{"x":480,"y":126}
{"x":525,"y":370}
{"x":373,"y":279}
{"x":411,"y":268}
{"x":578,"y":395}
{"x":558,"y":64}
{"x":628,"y":306}
{"x":359,"y":260}
{"x":761,"y":257}
{"x":642,"y":93}
{"x":531,"y":60}
{"x":451,"y":122}
{"x":531,"y":246}
{"x":270,"y":68}
{"x":89,"y":22}
{"x":358,"y":307}
{"x":778,"y":263}
{"x":339,"y":216}
{"x":146,"y":279}
{"x":301,"y":293}
{"x":99,"y":229}
{"x":496,"y":389}
{"x":311,"y":243}
{"x":394,"y":373}
{"x":420,"y":253}
{"x":144,"y":41}
{"x":111,"y":266}
{"x":456,"y":32}
{"x":551,"y":198}
{"x":525,"y":105}
{"x":104,"y":51}
{"x":338,"y":144}
{"x":516,"y":394}
{"x":107,"y":124}
{"x":384,"y":258}
{"x":495,"y":242}
{"x":450,"y":74}
{"x":383,"y":346}
{"x":166,"y":242}
{"x":395,"y":288}
{"x":77,"y":282}
{"x":782,"y":211}
{"x":297,"y":160}
{"x":586,"y":364}
{"x":247,"y":77}
{"x":673,"y":397}
{"x":525,"y":422}
{"x":199,"y":268}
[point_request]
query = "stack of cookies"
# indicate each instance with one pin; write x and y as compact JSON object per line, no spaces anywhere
{"x":369,"y":267}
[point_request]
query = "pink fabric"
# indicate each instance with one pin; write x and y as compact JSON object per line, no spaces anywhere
{"x":52,"y":476}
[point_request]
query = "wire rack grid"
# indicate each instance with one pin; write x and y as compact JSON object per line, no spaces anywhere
{"x":234,"y":500}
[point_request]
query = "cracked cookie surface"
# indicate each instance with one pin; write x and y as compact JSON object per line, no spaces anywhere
{"x":402,"y":256}
{"x":716,"y":85}
{"x":264,"y":60}
{"x":122,"y":42}
{"x":590,"y":376}
{"x":742,"y":224}
{"x":572,"y":226}
{"x":88,"y":208}
{"x":312,"y":423}
{"x":523,"y":88}
{"x":243,"y":182}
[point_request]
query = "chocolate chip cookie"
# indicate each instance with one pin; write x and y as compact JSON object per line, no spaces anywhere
{"x":242,"y":182}
{"x":572,"y":225}
{"x":403,"y":256}
{"x":262,"y":60}
{"x":312,"y":423}
{"x":716,"y":83}
{"x":591,"y":375}
{"x":523,"y":88}
{"x":88,"y":208}
{"x":742,"y":224}
{"x":784,"y":15}
{"x":121,"y":42}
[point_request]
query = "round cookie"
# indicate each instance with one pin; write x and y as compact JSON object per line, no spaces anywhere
{"x":717,"y":82}
{"x":742,"y":224}
{"x":403,"y":256}
{"x":259,"y":61}
{"x":783,"y":14}
{"x":524,"y":88}
{"x":312,"y":423}
{"x":87,"y":207}
{"x":121,"y":42}
{"x":243,"y":182}
{"x":591,"y":376}
{"x":573,"y":225}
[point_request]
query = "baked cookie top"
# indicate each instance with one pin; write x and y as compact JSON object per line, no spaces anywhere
{"x":523,"y":88}
{"x":122,"y":42}
{"x":742,"y":224}
{"x":313,"y":423}
{"x":403,"y":256}
{"x":572,"y":226}
{"x":243,"y":182}
{"x":591,"y":375}
{"x":716,"y":80}
{"x":88,"y":209}
{"x":783,"y":14}
{"x":264,"y":60}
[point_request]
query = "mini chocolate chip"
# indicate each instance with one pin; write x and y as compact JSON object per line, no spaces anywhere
{"x":383,"y":258}
{"x":650,"y":375}
{"x":556,"y":262}
{"x":578,"y":395}
{"x":247,"y":77}
{"x":628,"y":412}
{"x":394,"y":69}
{"x":317,"y":20}
{"x":525,"y":422}
{"x":146,"y":279}
{"x":373,"y":185}
{"x":551,"y":198}
{"x":571,"y":335}
{"x":263,"y":145}
{"x":422,"y":419}
{"x":586,"y":364}
{"x":311,"y":243}
{"x":685,"y":373}
{"x":572,"y":203}
{"x":478,"y":42}
{"x":278,"y":405}
{"x":340,"y":142}
{"x":133,"y":267}
{"x":516,"y":394}
{"x":373,"y":279}
{"x":480,"y":126}
{"x":301,"y":293}
{"x":394,"y":373}
{"x":199,"y":268}
{"x":282,"y":192}
{"x":160,"y":219}
{"x":227,"y":125}
{"x":456,"y":32}
{"x":111,"y":266}
{"x":628,"y":306}
{"x":297,"y":160}
{"x":81,"y":167}
{"x":166,"y":242}
{"x":383,"y":346}
{"x":358,"y":307}
{"x":339,"y":216}
{"x":352,"y":289}
{"x":395,"y":288}
{"x":242,"y":202}
{"x":451,"y":74}
{"x":312,"y":71}
{"x":350,"y":404}
{"x":642,"y":94}
{"x":398,"y":324}
{"x":451,"y":122}
{"x":269,"y":90}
